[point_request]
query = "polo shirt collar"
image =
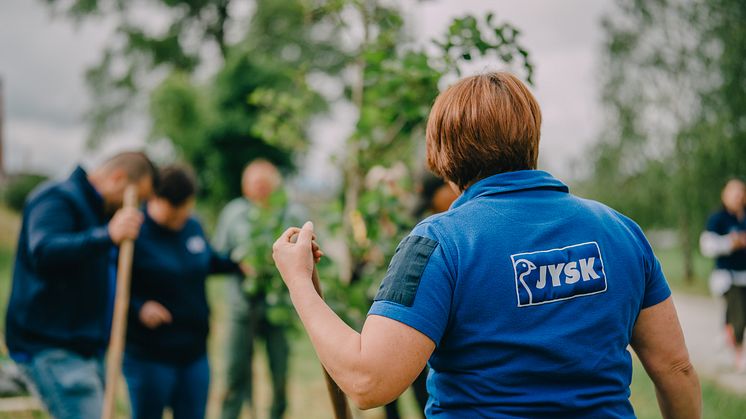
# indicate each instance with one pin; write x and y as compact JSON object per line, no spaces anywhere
{"x":501,"y":183}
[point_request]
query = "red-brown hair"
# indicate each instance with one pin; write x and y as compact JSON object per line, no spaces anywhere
{"x":481,"y":126}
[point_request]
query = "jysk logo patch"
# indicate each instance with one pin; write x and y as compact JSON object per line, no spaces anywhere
{"x":196,"y":244}
{"x":552,"y":275}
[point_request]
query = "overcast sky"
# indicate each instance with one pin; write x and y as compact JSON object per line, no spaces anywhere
{"x":43,"y":59}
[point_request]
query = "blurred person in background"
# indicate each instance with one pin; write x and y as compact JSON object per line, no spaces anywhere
{"x":436,"y":196}
{"x":64,"y":281}
{"x":165,"y":361}
{"x":259,"y":304}
{"x":724,"y":239}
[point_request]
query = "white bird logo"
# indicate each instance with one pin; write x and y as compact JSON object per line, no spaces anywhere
{"x":523,"y":268}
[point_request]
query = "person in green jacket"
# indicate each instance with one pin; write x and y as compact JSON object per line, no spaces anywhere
{"x":259,"y":304}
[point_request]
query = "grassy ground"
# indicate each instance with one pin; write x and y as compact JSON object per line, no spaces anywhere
{"x":718,"y":403}
{"x":308,"y":399}
{"x":9,"y":225}
{"x":672,"y":261}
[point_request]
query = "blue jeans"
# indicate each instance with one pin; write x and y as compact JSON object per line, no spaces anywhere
{"x":153,"y":386}
{"x":69,"y":385}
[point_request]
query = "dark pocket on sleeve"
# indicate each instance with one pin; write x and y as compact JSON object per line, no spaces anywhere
{"x":405,"y":270}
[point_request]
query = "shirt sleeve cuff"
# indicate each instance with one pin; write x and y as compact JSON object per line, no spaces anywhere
{"x":657,"y":294}
{"x":405,"y":315}
{"x":101,"y":236}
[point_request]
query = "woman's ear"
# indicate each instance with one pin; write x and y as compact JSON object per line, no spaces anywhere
{"x":455,"y":188}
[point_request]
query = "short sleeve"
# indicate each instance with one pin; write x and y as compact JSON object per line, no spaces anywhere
{"x":656,"y":286}
{"x":418,"y":287}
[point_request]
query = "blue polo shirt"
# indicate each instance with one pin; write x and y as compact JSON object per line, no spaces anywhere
{"x":530,"y":295}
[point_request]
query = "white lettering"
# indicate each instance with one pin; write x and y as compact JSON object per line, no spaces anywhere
{"x":555,"y":271}
{"x":571,"y":273}
{"x":586,"y":269}
{"x":542,"y":282}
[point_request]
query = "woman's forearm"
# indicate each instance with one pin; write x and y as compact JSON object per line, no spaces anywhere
{"x":372,"y":367}
{"x":678,"y":392}
{"x":338,"y":346}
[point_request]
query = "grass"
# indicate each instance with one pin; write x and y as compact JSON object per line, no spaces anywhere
{"x":717,"y":403}
{"x":672,"y":262}
{"x":307,"y":392}
{"x":9,"y":226}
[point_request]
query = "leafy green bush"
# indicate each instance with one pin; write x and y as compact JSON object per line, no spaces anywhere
{"x":14,"y":192}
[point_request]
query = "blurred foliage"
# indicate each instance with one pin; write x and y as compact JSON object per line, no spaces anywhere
{"x":266,"y":224}
{"x":382,"y":219}
{"x":255,"y":103}
{"x":17,"y":189}
{"x":211,"y":126}
{"x":676,"y":112}
{"x":467,"y":38}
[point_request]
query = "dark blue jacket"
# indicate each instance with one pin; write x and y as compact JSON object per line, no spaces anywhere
{"x":171,"y":267}
{"x":724,"y":223}
{"x":60,"y":295}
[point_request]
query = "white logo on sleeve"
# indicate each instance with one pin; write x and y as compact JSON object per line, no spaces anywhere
{"x":196,"y":244}
{"x":552,"y":275}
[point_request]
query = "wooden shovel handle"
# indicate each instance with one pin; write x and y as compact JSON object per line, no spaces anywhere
{"x":339,"y":400}
{"x":119,"y":320}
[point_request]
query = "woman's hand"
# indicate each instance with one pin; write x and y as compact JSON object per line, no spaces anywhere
{"x":739,"y":240}
{"x":153,"y":314}
{"x":295,"y":259}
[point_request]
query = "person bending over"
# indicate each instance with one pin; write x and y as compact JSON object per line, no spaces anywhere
{"x":165,"y":359}
{"x":64,"y":281}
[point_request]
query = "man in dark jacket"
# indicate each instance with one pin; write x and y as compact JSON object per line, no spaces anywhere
{"x":59,"y":313}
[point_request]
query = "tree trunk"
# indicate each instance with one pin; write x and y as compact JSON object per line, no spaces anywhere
{"x":353,"y":179}
{"x":687,"y":248}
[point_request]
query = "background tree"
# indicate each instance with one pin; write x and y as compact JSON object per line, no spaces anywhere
{"x":213,"y":78}
{"x":674,"y":95}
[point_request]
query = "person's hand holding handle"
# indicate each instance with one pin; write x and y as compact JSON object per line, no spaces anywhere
{"x":125,"y":224}
{"x":300,"y":252}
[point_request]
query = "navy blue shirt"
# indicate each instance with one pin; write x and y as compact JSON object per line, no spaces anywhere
{"x":60,"y":278}
{"x":171,"y":267}
{"x":530,"y":295}
{"x":724,"y":223}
